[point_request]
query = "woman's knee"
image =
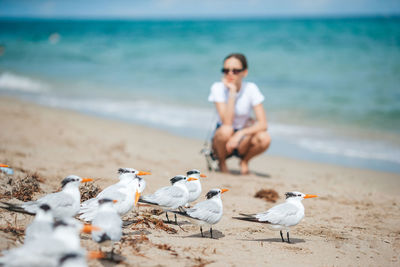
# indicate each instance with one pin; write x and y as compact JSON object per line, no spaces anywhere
{"x":223,"y":133}
{"x":262,"y":139}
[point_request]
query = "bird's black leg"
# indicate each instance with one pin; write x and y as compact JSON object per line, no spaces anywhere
{"x":283,"y":240}
{"x":176,"y":221}
{"x":211,"y":232}
{"x":201,"y":231}
{"x":166,"y":214}
{"x":288,"y":240}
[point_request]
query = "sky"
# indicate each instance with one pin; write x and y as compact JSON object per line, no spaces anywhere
{"x":194,"y":8}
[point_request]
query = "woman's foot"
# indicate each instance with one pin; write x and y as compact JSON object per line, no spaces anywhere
{"x":244,"y":167}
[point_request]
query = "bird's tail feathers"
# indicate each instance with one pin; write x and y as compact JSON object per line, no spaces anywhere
{"x":89,"y":203}
{"x":182,"y":209}
{"x":247,"y":217}
{"x":182,"y":213}
{"x":15,"y":208}
{"x":141,"y":200}
{"x":87,"y":216}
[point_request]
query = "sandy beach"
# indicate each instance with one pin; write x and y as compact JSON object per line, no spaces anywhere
{"x":355,"y":221}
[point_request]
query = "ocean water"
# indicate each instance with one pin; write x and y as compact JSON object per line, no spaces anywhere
{"x":332,"y":86}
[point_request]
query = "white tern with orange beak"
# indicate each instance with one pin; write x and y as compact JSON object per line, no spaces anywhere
{"x":282,"y":216}
{"x":125,"y":192}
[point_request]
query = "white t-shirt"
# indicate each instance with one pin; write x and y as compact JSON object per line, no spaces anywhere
{"x":248,"y":96}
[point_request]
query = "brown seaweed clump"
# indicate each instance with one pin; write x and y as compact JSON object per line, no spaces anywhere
{"x":18,"y":232}
{"x":269,"y":195}
{"x":21,"y":188}
{"x":199,"y":262}
{"x":167,"y":248}
{"x":89,"y":190}
{"x":150,"y":222}
{"x":134,"y":243}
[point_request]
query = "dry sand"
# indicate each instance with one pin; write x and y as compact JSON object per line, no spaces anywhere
{"x":355,"y":221}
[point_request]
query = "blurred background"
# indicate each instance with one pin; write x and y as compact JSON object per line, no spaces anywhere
{"x":329,"y":69}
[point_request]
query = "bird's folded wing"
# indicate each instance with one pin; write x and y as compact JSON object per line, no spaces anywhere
{"x":118,"y":194}
{"x":107,"y":190}
{"x":206,"y":211}
{"x":15,"y":208}
{"x":276,"y":214}
{"x":166,"y":196}
{"x":59,"y":199}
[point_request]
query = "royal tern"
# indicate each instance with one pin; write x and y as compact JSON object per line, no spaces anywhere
{"x":282,"y":216}
{"x":125,"y":192}
{"x":194,"y":187}
{"x":170,"y":197}
{"x":63,"y":204}
{"x":48,"y":249}
{"x":207,"y":212}
{"x":41,"y":226}
{"x":109,"y":222}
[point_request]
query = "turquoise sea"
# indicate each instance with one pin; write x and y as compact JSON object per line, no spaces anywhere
{"x":332,"y":85}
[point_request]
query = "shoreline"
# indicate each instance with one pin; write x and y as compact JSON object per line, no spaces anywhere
{"x":309,"y":142}
{"x":354,"y":221}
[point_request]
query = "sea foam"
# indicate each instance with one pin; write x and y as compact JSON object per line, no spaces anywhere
{"x":10,"y":81}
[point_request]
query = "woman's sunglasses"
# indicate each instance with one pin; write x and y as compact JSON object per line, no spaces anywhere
{"x":234,"y":71}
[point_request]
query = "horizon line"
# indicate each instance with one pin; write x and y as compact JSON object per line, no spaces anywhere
{"x":200,"y":17}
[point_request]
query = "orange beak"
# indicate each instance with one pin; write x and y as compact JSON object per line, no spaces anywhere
{"x":92,"y":255}
{"x":203,"y":175}
{"x":192,"y":179}
{"x":88,"y":228}
{"x":310,"y":196}
{"x":137,"y":196}
{"x":144,"y":173}
{"x":4,"y":165}
{"x":84,"y":180}
{"x":224,"y":190}
{"x":115,"y":201}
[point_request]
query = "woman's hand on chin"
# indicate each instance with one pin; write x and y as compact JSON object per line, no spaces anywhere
{"x":231,"y":86}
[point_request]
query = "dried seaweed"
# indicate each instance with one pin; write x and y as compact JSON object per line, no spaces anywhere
{"x":18,"y":232}
{"x":135,"y":242}
{"x":199,"y":262}
{"x":269,"y":195}
{"x":167,"y":248}
{"x":21,"y":188}
{"x":89,"y":190}
{"x":151,"y":222}
{"x":156,"y":212}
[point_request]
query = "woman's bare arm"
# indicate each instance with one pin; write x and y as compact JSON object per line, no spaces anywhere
{"x":226,"y":111}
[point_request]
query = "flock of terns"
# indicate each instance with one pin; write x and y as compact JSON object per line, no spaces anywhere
{"x":52,"y":239}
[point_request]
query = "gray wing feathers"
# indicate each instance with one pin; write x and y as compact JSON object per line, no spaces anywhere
{"x":277,"y":214}
{"x":170,"y":196}
{"x":55,"y":201}
{"x":89,"y":208}
{"x":207,"y":211}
